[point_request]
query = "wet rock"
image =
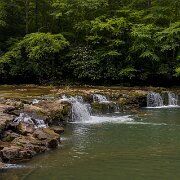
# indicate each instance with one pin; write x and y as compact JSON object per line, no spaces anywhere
{"x":28,"y":141}
{"x":52,"y":143}
{"x":25,"y":128}
{"x":15,"y":154}
{"x":104,"y":107}
{"x":10,"y":136}
{"x":39,"y":149}
{"x":2,"y":165}
{"x":58,"y":130}
{"x":4,"y":118}
{"x":39,"y":134}
{"x":51,"y":138}
{"x":12,"y":126}
{"x":54,"y":112}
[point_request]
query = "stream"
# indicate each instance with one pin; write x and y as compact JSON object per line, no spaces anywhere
{"x":113,"y":146}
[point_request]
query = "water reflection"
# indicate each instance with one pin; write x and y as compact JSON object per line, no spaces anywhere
{"x":145,"y":148}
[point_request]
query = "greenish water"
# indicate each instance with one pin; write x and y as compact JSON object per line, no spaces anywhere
{"x":112,"y":148}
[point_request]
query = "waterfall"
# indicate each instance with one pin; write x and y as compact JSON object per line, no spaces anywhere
{"x":23,"y":117}
{"x":80,"y":110}
{"x":172,"y":99}
{"x":35,"y":101}
{"x":99,"y":98}
{"x":154,"y":100}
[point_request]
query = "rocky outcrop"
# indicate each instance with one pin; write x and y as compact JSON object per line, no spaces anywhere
{"x":25,"y":146}
{"x":21,"y":140}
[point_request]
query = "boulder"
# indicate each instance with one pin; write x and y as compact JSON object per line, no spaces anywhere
{"x":25,"y":128}
{"x":39,"y":134}
{"x":48,"y":135}
{"x":58,"y":130}
{"x":52,"y":143}
{"x":10,"y":136}
{"x":2,"y":165}
{"x":15,"y":154}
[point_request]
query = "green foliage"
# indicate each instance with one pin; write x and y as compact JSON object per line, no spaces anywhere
{"x":89,"y":41}
{"x":128,"y":72}
{"x":143,"y":41}
{"x":84,"y":65}
{"x":37,"y":55}
{"x":169,"y":37}
{"x":177,"y":70}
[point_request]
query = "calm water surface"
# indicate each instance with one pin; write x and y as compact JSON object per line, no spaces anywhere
{"x":112,"y":148}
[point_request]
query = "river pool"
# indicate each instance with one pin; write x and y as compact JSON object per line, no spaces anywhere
{"x":117,"y":146}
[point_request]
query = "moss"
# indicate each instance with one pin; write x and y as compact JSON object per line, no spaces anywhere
{"x":59,"y":116}
{"x":19,"y":145}
{"x":8,"y":138}
{"x":41,"y":113}
{"x":50,"y":132}
{"x":122,"y":101}
{"x":66,"y":109}
{"x":104,"y":107}
{"x":97,"y":106}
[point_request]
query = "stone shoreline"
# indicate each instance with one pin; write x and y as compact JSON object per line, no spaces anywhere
{"x":21,"y":141}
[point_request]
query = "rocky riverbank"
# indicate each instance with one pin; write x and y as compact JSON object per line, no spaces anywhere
{"x":32,"y":118}
{"x":22,"y":140}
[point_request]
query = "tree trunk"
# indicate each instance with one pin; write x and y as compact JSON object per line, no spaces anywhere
{"x":149,"y":3}
{"x":26,"y":2}
{"x":36,"y":14}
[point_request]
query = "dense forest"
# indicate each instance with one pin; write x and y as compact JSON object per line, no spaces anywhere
{"x":126,"y":42}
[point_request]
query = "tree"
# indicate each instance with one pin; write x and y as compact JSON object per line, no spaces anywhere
{"x":36,"y":55}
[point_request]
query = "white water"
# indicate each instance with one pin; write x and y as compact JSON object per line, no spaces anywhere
{"x":172,"y":99}
{"x":154,"y":100}
{"x":80,"y":110}
{"x":23,"y":117}
{"x":100,"y":98}
{"x":109,"y":119}
{"x":35,"y":101}
{"x":117,"y":120}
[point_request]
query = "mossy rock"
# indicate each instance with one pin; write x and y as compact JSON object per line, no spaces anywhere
{"x":8,"y":138}
{"x":60,"y":117}
{"x":104,"y":107}
{"x":50,"y":132}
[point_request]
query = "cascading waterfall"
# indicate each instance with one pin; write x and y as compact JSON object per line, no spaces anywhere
{"x":35,"y":101}
{"x":99,"y":98}
{"x":80,"y":110}
{"x":111,"y":106}
{"x":172,"y":99}
{"x":154,"y":100}
{"x":23,"y":117}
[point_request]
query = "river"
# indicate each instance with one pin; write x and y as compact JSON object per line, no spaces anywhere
{"x":115,"y":146}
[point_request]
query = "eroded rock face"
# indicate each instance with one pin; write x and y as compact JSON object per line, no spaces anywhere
{"x":24,"y":128}
{"x":2,"y":165}
{"x":57,"y":129}
{"x":24,"y":147}
{"x":4,"y":118}
{"x":15,"y":154}
{"x":20,"y":140}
